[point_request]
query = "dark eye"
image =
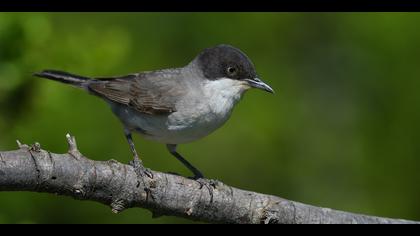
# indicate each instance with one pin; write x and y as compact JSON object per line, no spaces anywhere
{"x":231,"y":71}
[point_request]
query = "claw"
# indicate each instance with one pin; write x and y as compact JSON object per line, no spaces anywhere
{"x":140,"y":170}
{"x":210,"y":184}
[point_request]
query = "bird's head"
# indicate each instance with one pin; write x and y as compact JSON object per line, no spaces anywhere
{"x":227,"y":62}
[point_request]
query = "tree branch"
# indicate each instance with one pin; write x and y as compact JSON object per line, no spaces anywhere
{"x":114,"y":184}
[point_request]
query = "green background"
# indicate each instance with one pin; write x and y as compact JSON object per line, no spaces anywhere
{"x":342,"y":130}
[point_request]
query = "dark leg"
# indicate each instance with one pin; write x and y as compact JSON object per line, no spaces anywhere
{"x":198,"y":176}
{"x":195,"y":171}
{"x":137,"y":163}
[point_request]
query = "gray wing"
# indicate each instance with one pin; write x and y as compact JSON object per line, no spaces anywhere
{"x":149,"y":92}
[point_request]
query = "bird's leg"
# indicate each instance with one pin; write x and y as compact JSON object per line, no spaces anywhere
{"x":195,"y":171}
{"x":198,"y":176}
{"x":137,"y":163}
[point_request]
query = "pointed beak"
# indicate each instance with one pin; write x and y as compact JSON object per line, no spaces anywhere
{"x":259,"y":84}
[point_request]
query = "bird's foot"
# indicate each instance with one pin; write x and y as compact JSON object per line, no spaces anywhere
{"x":140,"y":170}
{"x":210,"y":184}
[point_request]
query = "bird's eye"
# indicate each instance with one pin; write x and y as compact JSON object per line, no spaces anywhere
{"x":231,"y":71}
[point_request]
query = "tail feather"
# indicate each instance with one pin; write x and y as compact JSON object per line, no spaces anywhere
{"x":64,"y":77}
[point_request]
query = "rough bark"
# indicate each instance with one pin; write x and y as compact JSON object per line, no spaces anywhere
{"x":115,"y":184}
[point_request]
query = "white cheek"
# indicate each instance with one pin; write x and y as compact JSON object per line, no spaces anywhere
{"x":225,"y":87}
{"x":223,"y":94}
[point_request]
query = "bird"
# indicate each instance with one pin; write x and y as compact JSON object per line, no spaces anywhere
{"x":177,"y":105}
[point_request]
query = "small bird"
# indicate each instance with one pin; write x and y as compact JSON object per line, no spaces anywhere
{"x":174,"y":106}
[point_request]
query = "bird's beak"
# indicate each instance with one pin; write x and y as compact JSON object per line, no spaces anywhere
{"x":259,"y":84}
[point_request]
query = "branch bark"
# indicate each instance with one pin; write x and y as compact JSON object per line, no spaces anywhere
{"x":115,"y":184}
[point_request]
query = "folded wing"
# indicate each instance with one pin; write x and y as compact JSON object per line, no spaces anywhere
{"x":149,"y":92}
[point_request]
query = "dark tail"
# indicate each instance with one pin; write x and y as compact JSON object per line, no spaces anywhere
{"x":64,"y":77}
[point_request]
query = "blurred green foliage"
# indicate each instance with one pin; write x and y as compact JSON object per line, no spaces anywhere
{"x":342,"y":130}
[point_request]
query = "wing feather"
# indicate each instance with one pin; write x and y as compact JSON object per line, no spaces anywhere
{"x":150,"y":93}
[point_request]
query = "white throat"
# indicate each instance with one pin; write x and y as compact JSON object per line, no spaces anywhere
{"x":222,"y":94}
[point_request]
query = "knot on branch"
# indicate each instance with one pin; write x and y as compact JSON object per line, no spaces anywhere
{"x":118,"y":206}
{"x":270,"y":217}
{"x":73,"y":150}
{"x":79,"y":191}
{"x":36,"y":147}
